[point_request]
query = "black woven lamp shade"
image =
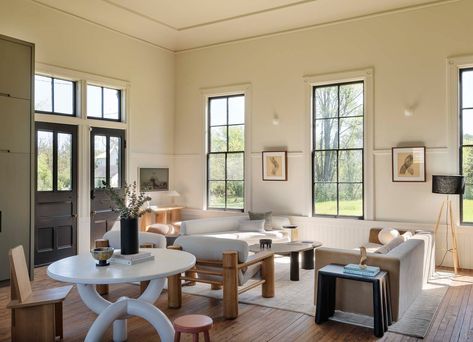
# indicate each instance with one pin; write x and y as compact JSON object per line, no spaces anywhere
{"x":448,"y":185}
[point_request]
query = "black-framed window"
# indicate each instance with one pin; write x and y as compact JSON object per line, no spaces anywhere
{"x":338,"y":150}
{"x":226,"y":152}
{"x":104,"y":103}
{"x":466,"y":143}
{"x":55,"y":95}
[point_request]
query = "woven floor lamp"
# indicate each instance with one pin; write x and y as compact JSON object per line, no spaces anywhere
{"x":449,"y":185}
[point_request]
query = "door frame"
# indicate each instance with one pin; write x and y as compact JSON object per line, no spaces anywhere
{"x":57,"y":128}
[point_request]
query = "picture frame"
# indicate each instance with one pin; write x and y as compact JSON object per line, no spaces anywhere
{"x":153,"y":179}
{"x":408,"y":164}
{"x":274,"y":165}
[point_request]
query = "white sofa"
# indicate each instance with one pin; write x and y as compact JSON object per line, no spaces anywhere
{"x":227,"y":227}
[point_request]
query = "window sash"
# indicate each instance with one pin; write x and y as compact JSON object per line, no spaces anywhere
{"x":315,"y":150}
{"x":102,"y":116}
{"x":74,"y":98}
{"x":461,"y":108}
{"x":226,"y":152}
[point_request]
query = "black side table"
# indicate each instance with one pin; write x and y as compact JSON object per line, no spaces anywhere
{"x":326,"y":292}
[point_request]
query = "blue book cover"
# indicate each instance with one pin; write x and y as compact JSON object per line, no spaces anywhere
{"x":356,"y":269}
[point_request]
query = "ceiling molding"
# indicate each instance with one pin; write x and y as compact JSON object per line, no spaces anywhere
{"x":316,"y":26}
{"x":38,"y":2}
{"x":179,"y":46}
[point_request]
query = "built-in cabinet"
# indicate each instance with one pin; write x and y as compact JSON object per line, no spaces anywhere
{"x":16,"y":152}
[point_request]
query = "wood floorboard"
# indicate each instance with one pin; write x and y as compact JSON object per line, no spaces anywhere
{"x":452,"y":322}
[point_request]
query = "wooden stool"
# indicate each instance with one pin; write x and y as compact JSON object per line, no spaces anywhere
{"x":192,"y":324}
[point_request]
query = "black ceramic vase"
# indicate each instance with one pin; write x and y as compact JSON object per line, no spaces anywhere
{"x":129,"y":236}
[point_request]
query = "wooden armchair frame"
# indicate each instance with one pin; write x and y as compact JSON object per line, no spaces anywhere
{"x":229,"y":272}
{"x":36,"y":315}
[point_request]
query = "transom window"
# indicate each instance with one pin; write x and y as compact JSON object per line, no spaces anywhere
{"x":337,"y":149}
{"x":55,"y":95}
{"x":103,"y":103}
{"x":226,"y":152}
{"x":466,"y":142}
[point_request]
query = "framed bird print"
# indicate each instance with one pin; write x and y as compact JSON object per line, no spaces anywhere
{"x":408,"y":164}
{"x":274,"y":165}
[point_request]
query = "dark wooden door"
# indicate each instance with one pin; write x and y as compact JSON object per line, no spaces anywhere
{"x":107,"y":152}
{"x":56,"y":192}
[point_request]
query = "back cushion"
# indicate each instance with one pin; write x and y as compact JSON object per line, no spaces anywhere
{"x":210,"y":225}
{"x":251,"y":226}
{"x":211,"y":248}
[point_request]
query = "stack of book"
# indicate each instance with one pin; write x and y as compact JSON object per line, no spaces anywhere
{"x":131,"y":259}
{"x":369,"y":271}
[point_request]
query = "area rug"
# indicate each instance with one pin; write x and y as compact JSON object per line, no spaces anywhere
{"x":297,"y":296}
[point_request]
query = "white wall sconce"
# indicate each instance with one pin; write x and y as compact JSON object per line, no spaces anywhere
{"x":408,"y":112}
{"x":275,"y":119}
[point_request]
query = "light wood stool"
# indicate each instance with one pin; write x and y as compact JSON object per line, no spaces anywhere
{"x":193,"y":324}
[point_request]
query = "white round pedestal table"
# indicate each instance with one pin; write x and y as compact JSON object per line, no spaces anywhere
{"x":82,"y":270}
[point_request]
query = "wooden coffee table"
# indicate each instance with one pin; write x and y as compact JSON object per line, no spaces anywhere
{"x":293,"y":249}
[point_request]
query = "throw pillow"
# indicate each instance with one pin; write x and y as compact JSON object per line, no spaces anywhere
{"x":267,"y":217}
{"x":387,"y":234}
{"x":251,"y":226}
{"x":390,"y":246}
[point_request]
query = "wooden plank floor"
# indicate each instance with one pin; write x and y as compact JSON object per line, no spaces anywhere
{"x":453,"y":322}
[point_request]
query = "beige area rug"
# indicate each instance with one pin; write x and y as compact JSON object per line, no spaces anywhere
{"x":297,"y":296}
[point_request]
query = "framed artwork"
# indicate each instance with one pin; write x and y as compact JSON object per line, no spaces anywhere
{"x":275,"y":165}
{"x":408,"y":164}
{"x":154,"y":179}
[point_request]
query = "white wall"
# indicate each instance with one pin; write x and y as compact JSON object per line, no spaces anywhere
{"x":71,"y":43}
{"x":408,"y":52}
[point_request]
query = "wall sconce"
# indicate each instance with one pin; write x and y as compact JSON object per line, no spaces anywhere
{"x":409,"y":111}
{"x":275,"y":119}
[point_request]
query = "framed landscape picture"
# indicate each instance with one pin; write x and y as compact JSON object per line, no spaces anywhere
{"x":408,"y":164}
{"x":154,"y":179}
{"x":274,"y":166}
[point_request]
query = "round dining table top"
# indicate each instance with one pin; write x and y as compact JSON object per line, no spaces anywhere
{"x":83,"y":269}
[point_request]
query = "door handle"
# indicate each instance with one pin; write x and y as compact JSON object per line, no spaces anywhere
{"x":5,"y":150}
{"x":74,"y":215}
{"x":93,"y":212}
{"x":5,"y":94}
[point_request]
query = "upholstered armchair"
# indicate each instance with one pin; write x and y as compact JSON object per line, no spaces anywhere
{"x":223,"y":263}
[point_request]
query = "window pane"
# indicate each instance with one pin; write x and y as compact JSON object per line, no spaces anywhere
{"x":467,"y":89}
{"x":218,"y":139}
{"x":43,"y":93}
{"x":235,"y":192}
{"x":236,"y":110}
{"x":326,"y":134}
{"x":350,"y":165}
{"x":63,"y":96}
{"x":218,"y":111}
{"x":467,"y":126}
{"x":325,"y":166}
{"x":111,"y":104}
{"x":326,"y":102}
{"x":236,"y":136}
{"x":325,"y":195}
{"x":351,"y":99}
{"x":351,"y":132}
{"x":94,"y":101}
{"x":468,"y":203}
{"x":45,"y":161}
{"x":100,"y":160}
{"x":235,"y":166}
{"x":64,"y":161}
{"x":467,"y":164}
{"x":115,"y":162}
{"x":217,"y":166}
{"x":351,"y":199}
{"x":216,"y":194}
